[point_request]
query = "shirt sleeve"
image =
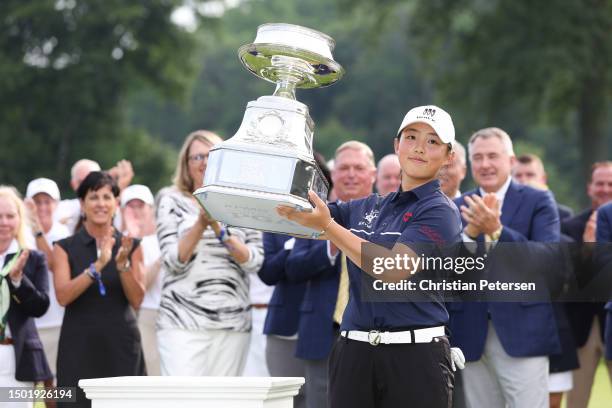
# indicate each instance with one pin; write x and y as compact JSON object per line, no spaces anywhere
{"x":167,"y":232}
{"x":437,"y":225}
{"x":254,"y":242}
{"x":340,"y":212}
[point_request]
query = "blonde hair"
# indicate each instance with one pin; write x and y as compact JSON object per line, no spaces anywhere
{"x":354,"y":144}
{"x":11,"y":194}
{"x":181,"y":179}
{"x":487,"y":133}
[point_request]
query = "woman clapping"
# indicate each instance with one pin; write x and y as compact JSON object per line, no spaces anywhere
{"x":98,"y":279}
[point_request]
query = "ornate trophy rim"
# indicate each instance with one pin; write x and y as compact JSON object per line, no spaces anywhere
{"x":323,"y":71}
{"x":301,"y":29}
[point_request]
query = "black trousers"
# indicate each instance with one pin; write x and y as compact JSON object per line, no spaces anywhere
{"x":390,"y":375}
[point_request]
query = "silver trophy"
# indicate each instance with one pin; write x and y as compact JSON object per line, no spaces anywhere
{"x":270,"y":160}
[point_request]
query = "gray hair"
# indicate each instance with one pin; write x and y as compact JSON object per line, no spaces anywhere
{"x":460,"y":153}
{"x":487,"y":133}
{"x":354,"y":144}
{"x":90,"y":164}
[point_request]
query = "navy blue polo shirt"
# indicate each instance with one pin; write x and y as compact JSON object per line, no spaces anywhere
{"x":421,"y":215}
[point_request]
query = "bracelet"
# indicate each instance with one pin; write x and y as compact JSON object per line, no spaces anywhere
{"x":224,"y":235}
{"x":95,"y":275}
{"x":316,"y":235}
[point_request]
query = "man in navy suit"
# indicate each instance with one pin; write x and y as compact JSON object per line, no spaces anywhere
{"x":587,"y":320}
{"x":506,"y":344}
{"x":320,"y":265}
{"x":604,"y":236}
{"x":281,"y":323}
{"x":529,"y":170}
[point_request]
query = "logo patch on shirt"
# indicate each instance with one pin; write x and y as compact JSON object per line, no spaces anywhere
{"x":407,"y":216}
{"x":432,"y":234}
{"x":368,"y":218}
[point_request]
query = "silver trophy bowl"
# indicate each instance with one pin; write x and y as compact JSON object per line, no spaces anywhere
{"x":270,"y":161}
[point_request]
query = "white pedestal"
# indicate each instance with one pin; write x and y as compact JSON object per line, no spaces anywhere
{"x":192,"y":392}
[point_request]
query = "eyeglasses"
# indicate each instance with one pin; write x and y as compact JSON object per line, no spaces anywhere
{"x":198,"y":157}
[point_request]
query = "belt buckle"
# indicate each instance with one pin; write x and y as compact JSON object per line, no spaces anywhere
{"x":374,"y":337}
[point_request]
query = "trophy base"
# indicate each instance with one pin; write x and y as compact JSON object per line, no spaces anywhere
{"x":253,"y":209}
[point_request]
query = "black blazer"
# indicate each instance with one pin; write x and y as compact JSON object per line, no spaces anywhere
{"x":28,"y":301}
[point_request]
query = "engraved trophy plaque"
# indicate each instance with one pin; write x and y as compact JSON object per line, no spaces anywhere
{"x":270,"y":161}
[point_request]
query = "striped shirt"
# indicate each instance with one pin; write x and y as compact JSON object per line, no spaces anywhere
{"x":210,"y":290}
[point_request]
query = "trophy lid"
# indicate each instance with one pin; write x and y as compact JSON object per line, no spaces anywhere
{"x":287,"y":50}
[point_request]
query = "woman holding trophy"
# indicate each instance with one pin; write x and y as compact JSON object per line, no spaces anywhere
{"x":392,"y":354}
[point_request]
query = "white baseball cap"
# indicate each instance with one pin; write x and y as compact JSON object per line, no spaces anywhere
{"x":43,"y":185}
{"x":136,"y":192}
{"x":433,"y":116}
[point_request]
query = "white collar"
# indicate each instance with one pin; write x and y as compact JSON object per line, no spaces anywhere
{"x":501,"y":193}
{"x":12,"y":249}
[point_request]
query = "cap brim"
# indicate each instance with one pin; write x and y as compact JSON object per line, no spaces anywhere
{"x":433,"y":126}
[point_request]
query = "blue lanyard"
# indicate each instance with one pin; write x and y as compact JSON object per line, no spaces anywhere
{"x":96,"y":275}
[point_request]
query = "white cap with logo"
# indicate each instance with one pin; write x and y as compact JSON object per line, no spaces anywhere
{"x":433,"y":116}
{"x":43,"y":185}
{"x":136,"y":192}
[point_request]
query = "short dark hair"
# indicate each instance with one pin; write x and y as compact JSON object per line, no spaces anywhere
{"x":95,"y":181}
{"x":597,"y":165}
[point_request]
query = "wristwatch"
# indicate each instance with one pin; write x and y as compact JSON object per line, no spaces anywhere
{"x":38,"y":234}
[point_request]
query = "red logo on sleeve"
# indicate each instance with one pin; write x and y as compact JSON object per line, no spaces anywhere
{"x":407,"y":216}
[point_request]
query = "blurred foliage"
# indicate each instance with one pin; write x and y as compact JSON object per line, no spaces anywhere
{"x":367,"y":104}
{"x":109,"y":79}
{"x":65,"y":69}
{"x":540,"y":70}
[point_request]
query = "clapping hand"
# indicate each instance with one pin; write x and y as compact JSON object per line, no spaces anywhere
{"x":483,"y":214}
{"x":16,"y":272}
{"x":32,"y":215}
{"x":131,"y":222}
{"x":106,"y":251}
{"x":590,"y":229}
{"x":123,"y":173}
{"x":122,"y":258}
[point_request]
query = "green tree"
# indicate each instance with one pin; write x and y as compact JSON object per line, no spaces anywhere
{"x":381,"y":80}
{"x":66,"y":67}
{"x":536,"y":61}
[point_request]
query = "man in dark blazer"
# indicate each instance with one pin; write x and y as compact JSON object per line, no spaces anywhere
{"x":28,"y":289}
{"x":587,"y":320}
{"x":506,"y":344}
{"x":529,"y":170}
{"x":281,"y":325}
{"x":309,"y":263}
{"x":318,"y":263}
{"x":604,"y":239}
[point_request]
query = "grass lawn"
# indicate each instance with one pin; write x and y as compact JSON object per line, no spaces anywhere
{"x":601,"y":396}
